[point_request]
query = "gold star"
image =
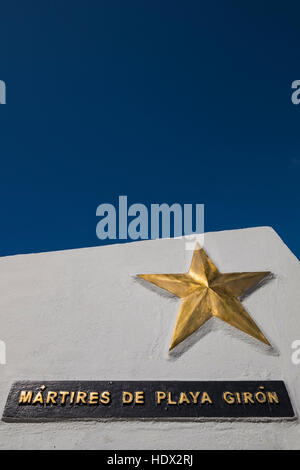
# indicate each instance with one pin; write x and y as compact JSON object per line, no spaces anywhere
{"x":205,"y":292}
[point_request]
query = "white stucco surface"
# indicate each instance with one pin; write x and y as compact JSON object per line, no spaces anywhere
{"x":81,"y":314}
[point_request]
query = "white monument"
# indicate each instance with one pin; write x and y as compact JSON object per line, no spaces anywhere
{"x":83,"y":315}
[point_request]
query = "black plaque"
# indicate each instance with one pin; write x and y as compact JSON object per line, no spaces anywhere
{"x":76,"y":400}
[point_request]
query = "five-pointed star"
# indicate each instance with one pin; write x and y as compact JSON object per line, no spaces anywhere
{"x":205,"y":292}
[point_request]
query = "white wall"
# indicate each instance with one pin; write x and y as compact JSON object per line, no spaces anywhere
{"x":81,"y":314}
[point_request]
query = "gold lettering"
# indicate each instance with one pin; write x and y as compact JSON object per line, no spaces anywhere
{"x":127,"y":397}
{"x":105,"y":398}
{"x":25,"y":397}
{"x":170,"y":402}
{"x":72,"y":398}
{"x":228,"y":397}
{"x":195,"y":396}
{"x":183,"y":398}
{"x":38,"y":398}
{"x":159,"y":397}
{"x":248,"y":397}
{"x":51,"y":397}
{"x":94,"y":398}
{"x":64,"y":395}
{"x":273,"y":397}
{"x":205,"y":398}
{"x":139,"y":398}
{"x":81,"y":398}
{"x":260,"y":397}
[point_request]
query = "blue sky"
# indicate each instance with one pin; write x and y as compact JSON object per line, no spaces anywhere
{"x":162,"y":101}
